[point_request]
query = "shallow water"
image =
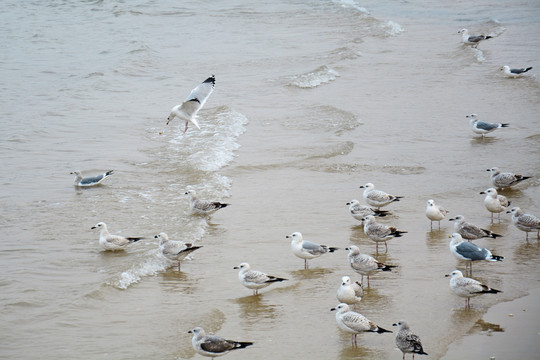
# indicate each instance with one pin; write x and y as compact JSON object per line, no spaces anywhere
{"x":312,"y":100}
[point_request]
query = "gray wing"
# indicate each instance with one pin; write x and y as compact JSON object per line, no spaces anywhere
{"x":356,"y":321}
{"x":257,"y":277}
{"x":216,"y":344}
{"x":471,"y":251}
{"x":92,"y":179}
{"x":313,"y":248}
{"x":205,"y":205}
{"x":476,"y":38}
{"x":379,"y":196}
{"x":486,"y":126}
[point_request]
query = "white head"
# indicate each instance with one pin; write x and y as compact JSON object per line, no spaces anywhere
{"x":163,"y":237}
{"x":494,"y":170}
{"x":456,"y":238}
{"x":458,"y":218}
{"x":463,"y":31}
{"x":402,"y":324}
{"x":243,"y":267}
{"x":490,"y":192}
{"x":456,"y":274}
{"x":295,"y":236}
{"x":353,"y":202}
{"x":100,"y":225}
{"x":369,"y":218}
{"x":345,"y":280}
{"x":430,"y":202}
{"x":515,"y":211}
{"x":197,"y":332}
{"x":341,"y":308}
{"x":191,"y":193}
{"x":353,"y":250}
{"x":472,"y":116}
{"x":368,"y":186}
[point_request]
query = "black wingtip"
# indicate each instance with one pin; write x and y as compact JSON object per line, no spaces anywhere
{"x":380,"y":330}
{"x":241,"y":345}
{"x":211,"y":79}
{"x":497,"y":258}
{"x":505,"y":125}
{"x":332,"y":249}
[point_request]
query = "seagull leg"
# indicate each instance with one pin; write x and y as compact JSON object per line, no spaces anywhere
{"x":305,"y":264}
{"x":431,"y":225}
{"x":492,"y":218}
{"x":187,"y":123}
{"x":178,"y":265}
{"x":386,"y":247}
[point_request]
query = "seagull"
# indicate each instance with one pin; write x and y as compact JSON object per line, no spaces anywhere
{"x":377,"y":198}
{"x":465,"y":250}
{"x":203,"y":206}
{"x":359,"y":211}
{"x":469,"y":231}
{"x":306,"y":249}
{"x":505,"y":179}
{"x":467,"y":287}
{"x":473,"y":40}
{"x":174,"y":249}
{"x":212,"y":345}
{"x":365,"y":264}
{"x":113,"y":242}
{"x":495,"y":203}
{"x":525,"y":222}
{"x":349,"y":292}
{"x":407,"y":341}
{"x":253,"y":279}
{"x":514,"y":72}
{"x":89,"y":181}
{"x":194,"y":102}
{"x":380,"y":232}
{"x":355,"y":323}
{"x":435,"y":212}
{"x":482,"y":127}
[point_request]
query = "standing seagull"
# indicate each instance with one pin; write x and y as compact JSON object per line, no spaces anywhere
{"x":203,"y":207}
{"x":465,"y":250}
{"x":355,"y":323}
{"x":253,"y":279}
{"x":359,"y":212}
{"x":435,"y":213}
{"x":349,"y":292}
{"x":89,"y":181}
{"x":473,"y":40}
{"x":495,"y":203}
{"x":380,"y":232}
{"x":113,"y":242}
{"x":365,"y":264}
{"x":194,"y":102}
{"x":514,"y":72}
{"x":174,"y":249}
{"x":467,"y":287}
{"x":525,"y":222}
{"x":505,"y":179}
{"x":306,"y":249}
{"x":470,"y":231}
{"x":377,"y":198}
{"x":407,"y":341}
{"x":211,"y":345}
{"x":482,"y":127}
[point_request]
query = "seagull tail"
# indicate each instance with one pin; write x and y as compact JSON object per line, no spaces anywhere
{"x":398,"y":233}
{"x":195,"y":122}
{"x":241,"y":344}
{"x":527,"y":69}
{"x":385,"y":267}
{"x":332,"y":249}
{"x":496,"y":258}
{"x":380,"y":330}
{"x":493,"y":235}
{"x":491,"y":291}
{"x":110,"y":172}
{"x":276,"y":279}
{"x":504,"y":125}
{"x":488,"y":37}
{"x":134,"y":239}
{"x":381,"y":213}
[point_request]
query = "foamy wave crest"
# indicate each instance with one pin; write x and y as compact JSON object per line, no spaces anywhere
{"x":351,"y":4}
{"x":150,"y":267}
{"x":392,"y":28}
{"x":321,"y":75}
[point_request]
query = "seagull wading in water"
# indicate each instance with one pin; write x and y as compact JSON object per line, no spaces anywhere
{"x":377,"y":198}
{"x":407,"y":341}
{"x":203,"y":207}
{"x":355,"y":323}
{"x":525,"y":222}
{"x":435,"y":213}
{"x":473,"y":40}
{"x":174,"y":249}
{"x":483,"y":127}
{"x":306,"y":249}
{"x":212,"y":345}
{"x":253,"y":279}
{"x":188,"y":110}
{"x":505,"y":179}
{"x":495,"y":203}
{"x":467,"y":287}
{"x":113,"y":242}
{"x":89,"y":181}
{"x":514,"y":72}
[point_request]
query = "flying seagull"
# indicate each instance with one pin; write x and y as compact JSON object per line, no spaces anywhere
{"x":188,"y":110}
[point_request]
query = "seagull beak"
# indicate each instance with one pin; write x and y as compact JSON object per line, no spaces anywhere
{"x":333,"y":309}
{"x":447,"y":275}
{"x":93,"y":227}
{"x":236,"y":267}
{"x":483,"y":192}
{"x":394,"y":324}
